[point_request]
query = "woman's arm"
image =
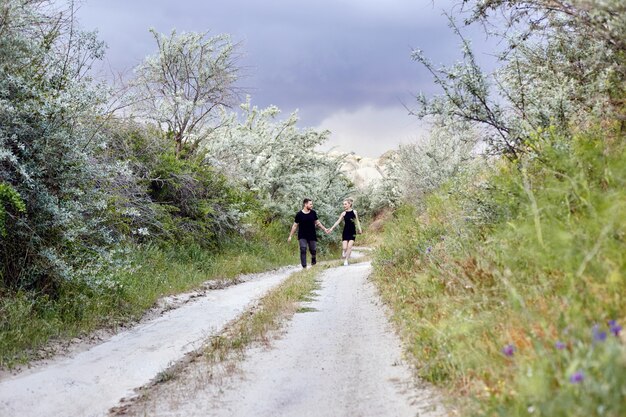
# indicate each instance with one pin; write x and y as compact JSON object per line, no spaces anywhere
{"x":358,"y":223}
{"x":343,"y":213}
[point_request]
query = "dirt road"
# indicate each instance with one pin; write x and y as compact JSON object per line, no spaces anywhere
{"x":339,"y":357}
{"x":91,"y":382}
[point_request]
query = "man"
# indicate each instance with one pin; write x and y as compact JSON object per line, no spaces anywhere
{"x":306,"y":220}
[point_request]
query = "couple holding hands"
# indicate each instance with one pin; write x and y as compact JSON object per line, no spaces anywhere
{"x":306,"y":221}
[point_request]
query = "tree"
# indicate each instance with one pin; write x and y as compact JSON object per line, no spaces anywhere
{"x":584,"y":39}
{"x":602,"y":20}
{"x":562,"y":64}
{"x":468,"y":97}
{"x":277,"y":161}
{"x":185,"y":83}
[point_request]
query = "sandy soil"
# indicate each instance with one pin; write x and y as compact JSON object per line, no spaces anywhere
{"x":339,"y":357}
{"x":90,"y":382}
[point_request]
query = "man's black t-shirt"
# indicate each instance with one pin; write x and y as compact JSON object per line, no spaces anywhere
{"x":306,"y":225}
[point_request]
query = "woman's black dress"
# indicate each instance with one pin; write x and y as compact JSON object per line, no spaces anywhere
{"x":349,"y":226}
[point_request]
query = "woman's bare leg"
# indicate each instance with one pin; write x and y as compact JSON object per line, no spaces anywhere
{"x":349,"y":248}
{"x":344,"y":245}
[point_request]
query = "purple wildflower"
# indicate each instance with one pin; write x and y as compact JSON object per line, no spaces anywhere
{"x":577,"y":377}
{"x":598,"y":336}
{"x":428,"y":249}
{"x":614,"y":327}
{"x":508,"y":350}
{"x":559,"y":345}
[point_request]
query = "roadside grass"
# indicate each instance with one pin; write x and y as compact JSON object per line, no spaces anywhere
{"x":373,"y":229}
{"x":29,"y":322}
{"x":520,"y":315}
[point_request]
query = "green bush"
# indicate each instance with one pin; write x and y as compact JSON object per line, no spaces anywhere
{"x":49,"y":175}
{"x":497,"y":269}
{"x":11,"y":198}
{"x":201,"y":206}
{"x":29,"y":319}
{"x":164,"y":197}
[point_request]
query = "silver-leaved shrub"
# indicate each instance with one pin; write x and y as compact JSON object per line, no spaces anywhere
{"x":48,"y":131}
{"x":278,"y":161}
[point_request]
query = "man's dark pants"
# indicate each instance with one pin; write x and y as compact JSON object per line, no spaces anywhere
{"x":312,"y":248}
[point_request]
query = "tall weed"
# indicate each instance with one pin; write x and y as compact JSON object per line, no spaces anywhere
{"x":508,"y":286}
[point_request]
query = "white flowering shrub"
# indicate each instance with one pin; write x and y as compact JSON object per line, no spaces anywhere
{"x":562,"y":66}
{"x":278,"y":162}
{"x":47,"y":137}
{"x":600,"y":20}
{"x":421,"y":167}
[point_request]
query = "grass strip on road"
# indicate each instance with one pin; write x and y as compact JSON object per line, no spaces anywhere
{"x":219,"y":358}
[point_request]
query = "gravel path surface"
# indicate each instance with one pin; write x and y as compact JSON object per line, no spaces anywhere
{"x":91,"y":382}
{"x":338,"y":358}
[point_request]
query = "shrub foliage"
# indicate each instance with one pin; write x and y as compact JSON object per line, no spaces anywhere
{"x":506,"y":274}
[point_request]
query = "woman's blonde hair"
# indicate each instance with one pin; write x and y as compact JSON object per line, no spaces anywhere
{"x":349,"y":200}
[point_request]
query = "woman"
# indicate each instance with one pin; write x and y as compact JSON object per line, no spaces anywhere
{"x":350,"y":225}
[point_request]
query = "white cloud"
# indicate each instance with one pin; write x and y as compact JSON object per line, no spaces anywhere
{"x":371,"y":131}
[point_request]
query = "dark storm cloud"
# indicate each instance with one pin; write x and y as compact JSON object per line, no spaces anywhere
{"x":321,"y":56}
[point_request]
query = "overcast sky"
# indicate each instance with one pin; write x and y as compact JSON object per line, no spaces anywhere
{"x":343,"y":64}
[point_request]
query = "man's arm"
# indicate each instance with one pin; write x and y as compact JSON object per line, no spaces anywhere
{"x":293,"y":230}
{"x":320,"y":225}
